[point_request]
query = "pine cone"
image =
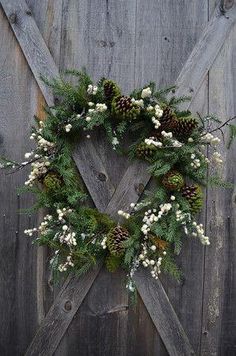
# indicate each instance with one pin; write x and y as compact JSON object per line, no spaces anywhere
{"x":193,"y":193}
{"x":52,"y":181}
{"x":168,"y":120}
{"x":111,"y":89}
{"x":173,"y":180}
{"x":185,"y":127}
{"x":145,"y":151}
{"x":123,"y":107}
{"x":115,"y":240}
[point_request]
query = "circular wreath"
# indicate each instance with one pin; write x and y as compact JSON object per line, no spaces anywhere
{"x":171,"y":141}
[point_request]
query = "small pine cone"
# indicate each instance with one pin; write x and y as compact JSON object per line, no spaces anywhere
{"x":168,"y":120}
{"x":173,"y":180}
{"x":111,"y":89}
{"x":123,"y":107}
{"x":185,"y":127}
{"x":115,"y":240}
{"x":193,"y":193}
{"x":52,"y":181}
{"x":145,"y":151}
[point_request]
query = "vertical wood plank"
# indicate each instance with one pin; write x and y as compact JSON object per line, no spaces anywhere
{"x":218,"y":328}
{"x":166,"y":34}
{"x":18,"y":309}
{"x":100,"y":35}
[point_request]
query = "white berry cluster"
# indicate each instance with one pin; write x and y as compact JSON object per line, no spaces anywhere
{"x":68,"y":127}
{"x":38,"y":169}
{"x":43,"y":227}
{"x":153,"y":264}
{"x":67,"y":236}
{"x":115,"y":142}
{"x":199,"y":232}
{"x":124,"y":214}
{"x":195,"y":161}
{"x":104,"y":243}
{"x":146,"y":93}
{"x":100,"y":107}
{"x":166,"y":134}
{"x":92,"y":89}
{"x":139,"y":102}
{"x":64,"y":266}
{"x":153,"y":141}
{"x":62,"y":213}
{"x":158,"y":111}
{"x":156,"y":122}
{"x":45,"y":145}
{"x":211,"y":139}
{"x":151,"y":217}
{"x":148,"y":219}
{"x":217,"y":158}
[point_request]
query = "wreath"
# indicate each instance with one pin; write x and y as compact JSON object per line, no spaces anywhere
{"x":174,"y":144}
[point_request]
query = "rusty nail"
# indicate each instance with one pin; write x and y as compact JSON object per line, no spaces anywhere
{"x":12,"y":18}
{"x":102,"y":177}
{"x":68,"y":305}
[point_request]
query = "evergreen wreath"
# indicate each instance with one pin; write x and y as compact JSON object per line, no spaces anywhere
{"x":171,"y":141}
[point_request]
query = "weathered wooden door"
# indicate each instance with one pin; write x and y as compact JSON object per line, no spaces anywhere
{"x":133,"y":42}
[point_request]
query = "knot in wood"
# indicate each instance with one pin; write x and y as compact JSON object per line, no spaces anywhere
{"x":67,"y":306}
{"x":102,"y":177}
{"x":12,"y":18}
{"x":28,"y":12}
{"x":139,"y":188}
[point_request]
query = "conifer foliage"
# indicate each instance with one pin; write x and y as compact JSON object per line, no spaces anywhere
{"x":172,"y":142}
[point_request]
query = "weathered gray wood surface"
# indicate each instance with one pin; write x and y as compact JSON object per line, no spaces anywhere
{"x":62,"y":311}
{"x":18,"y":311}
{"x":133,"y":43}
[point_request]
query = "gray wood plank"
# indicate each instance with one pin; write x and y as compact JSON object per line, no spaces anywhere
{"x":61,"y":313}
{"x":97,"y":180}
{"x":42,"y":63}
{"x":32,"y":43}
{"x":218,"y":324}
{"x":206,"y":50}
{"x":98,"y":34}
{"x":18,"y":93}
{"x":163,"y":314}
{"x":196,"y":68}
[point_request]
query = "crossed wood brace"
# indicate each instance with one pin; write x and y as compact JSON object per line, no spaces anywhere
{"x":106,"y":197}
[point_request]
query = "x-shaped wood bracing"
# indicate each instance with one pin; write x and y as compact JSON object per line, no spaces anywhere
{"x":106,"y":197}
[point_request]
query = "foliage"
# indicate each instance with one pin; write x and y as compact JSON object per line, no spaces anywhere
{"x":171,"y":141}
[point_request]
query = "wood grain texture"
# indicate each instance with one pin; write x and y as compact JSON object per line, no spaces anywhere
{"x":97,"y":180}
{"x":218,"y":324}
{"x":163,"y":314}
{"x":206,"y":50}
{"x":18,"y":309}
{"x":61,"y":313}
{"x":32,"y":43}
{"x":98,"y":34}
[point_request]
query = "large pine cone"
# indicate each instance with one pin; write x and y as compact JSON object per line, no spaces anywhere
{"x":173,"y":180}
{"x":111,"y":89}
{"x":193,"y":193}
{"x":168,"y":120}
{"x":185,"y":127}
{"x":123,"y":107}
{"x":115,"y":240}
